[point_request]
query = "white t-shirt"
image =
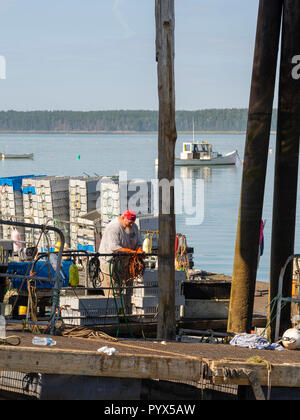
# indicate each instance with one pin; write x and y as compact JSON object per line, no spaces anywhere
{"x":115,"y":237}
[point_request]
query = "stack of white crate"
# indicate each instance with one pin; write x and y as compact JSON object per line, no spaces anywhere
{"x":118,"y":196}
{"x":145,"y":297}
{"x":83,"y":234}
{"x":109,"y":200}
{"x":46,"y":201}
{"x":86,"y":310}
{"x":11,"y":204}
{"x":30,"y":210}
{"x":11,"y":208}
{"x":84,"y":198}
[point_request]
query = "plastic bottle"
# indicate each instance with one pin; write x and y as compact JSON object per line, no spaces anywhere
{"x":43,"y":341}
{"x":2,"y":328}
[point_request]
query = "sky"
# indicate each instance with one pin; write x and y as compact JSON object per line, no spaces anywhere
{"x":100,"y":54}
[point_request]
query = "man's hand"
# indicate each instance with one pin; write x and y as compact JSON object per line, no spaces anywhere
{"x":130,"y":251}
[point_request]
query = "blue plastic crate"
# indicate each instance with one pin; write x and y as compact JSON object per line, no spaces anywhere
{"x":88,"y":248}
{"x":16,"y":181}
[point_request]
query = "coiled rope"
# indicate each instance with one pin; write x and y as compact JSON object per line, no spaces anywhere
{"x":181,"y":255}
{"x":13,"y":340}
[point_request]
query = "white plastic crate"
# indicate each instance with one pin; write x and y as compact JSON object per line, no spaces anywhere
{"x":116,"y":198}
{"x":48,"y":204}
{"x":84,"y":198}
{"x":152,"y":301}
{"x":147,"y":308}
{"x":150,"y":314}
{"x":148,"y":284}
{"x":11,"y":208}
{"x":91,"y":308}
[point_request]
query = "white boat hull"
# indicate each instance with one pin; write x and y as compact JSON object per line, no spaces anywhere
{"x":226,"y":159}
{"x":11,"y":156}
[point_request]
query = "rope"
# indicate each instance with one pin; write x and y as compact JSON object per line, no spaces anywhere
{"x":164,"y":352}
{"x":181,"y":255}
{"x":13,"y":340}
{"x":229,"y":373}
{"x":85,"y":333}
{"x":32,"y":302}
{"x":121,"y":271}
{"x":115,"y":300}
{"x":31,"y":289}
{"x":131,"y":267}
{"x":272,"y":317}
{"x":268,"y":365}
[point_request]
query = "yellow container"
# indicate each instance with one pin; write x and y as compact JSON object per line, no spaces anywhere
{"x":295,"y":288}
{"x":74,"y":276}
{"x":57,"y":247}
{"x":22,"y":310}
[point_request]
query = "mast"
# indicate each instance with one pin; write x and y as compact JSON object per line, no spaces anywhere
{"x":193,"y":129}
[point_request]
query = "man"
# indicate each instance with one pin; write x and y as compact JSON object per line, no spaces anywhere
{"x":120,"y":233}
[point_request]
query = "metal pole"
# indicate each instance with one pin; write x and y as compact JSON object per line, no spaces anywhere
{"x":255,"y":163}
{"x":280,"y":297}
{"x":286,"y":159}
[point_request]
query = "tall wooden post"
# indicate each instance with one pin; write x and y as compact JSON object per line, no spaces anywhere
{"x":255,"y":162}
{"x":286,"y":160}
{"x":167,"y":136}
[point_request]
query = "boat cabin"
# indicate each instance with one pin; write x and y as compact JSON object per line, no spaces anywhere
{"x":196,"y":150}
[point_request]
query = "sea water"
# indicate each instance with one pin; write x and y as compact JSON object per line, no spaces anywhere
{"x":213,"y":240}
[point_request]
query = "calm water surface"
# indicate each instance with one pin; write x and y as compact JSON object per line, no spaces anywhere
{"x":213,"y":240}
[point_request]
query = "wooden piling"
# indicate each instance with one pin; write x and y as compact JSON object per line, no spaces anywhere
{"x":255,"y":163}
{"x":286,"y":159}
{"x":167,"y":136}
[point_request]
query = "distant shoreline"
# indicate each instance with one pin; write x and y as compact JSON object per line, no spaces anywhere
{"x":206,"y":121}
{"x":125,"y":132}
{"x":116,"y":132}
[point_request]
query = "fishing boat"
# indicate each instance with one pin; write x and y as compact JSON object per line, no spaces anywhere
{"x":196,"y":153}
{"x":4,"y":156}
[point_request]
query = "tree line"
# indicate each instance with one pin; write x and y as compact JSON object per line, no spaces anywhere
{"x":123,"y":120}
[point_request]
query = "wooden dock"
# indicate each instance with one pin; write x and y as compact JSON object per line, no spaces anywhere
{"x":190,"y":363}
{"x":195,"y":364}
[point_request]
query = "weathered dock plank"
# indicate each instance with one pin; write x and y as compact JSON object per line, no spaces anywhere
{"x":221,"y":364}
{"x":90,"y":363}
{"x":274,"y":375}
{"x":183,"y":368}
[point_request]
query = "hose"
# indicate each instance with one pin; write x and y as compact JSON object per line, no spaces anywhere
{"x":114,"y":264}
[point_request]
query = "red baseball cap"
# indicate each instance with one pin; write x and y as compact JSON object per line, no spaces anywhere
{"x":130,"y":215}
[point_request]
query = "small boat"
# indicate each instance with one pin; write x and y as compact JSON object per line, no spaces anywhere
{"x":197,"y":153}
{"x":201,"y":153}
{"x":15,"y":156}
